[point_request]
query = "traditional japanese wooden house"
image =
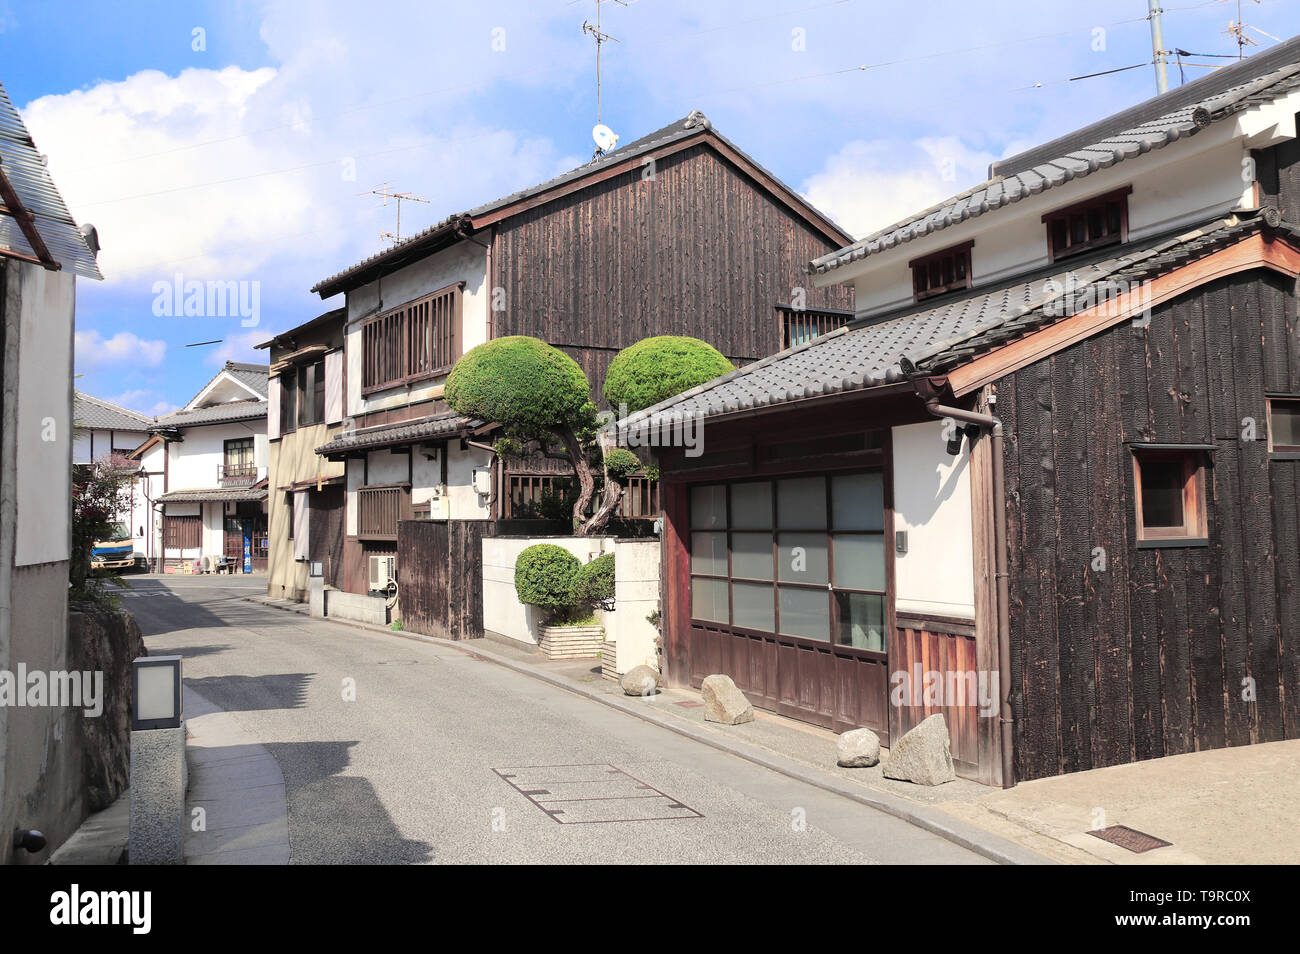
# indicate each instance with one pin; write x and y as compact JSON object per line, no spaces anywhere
{"x":1046,"y":481}
{"x":679,"y":232}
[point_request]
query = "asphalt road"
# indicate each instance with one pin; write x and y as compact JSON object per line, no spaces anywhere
{"x":397,"y":751}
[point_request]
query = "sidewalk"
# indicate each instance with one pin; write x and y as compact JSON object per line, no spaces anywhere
{"x":238,"y":786}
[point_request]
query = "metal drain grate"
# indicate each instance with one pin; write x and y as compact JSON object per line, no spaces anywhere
{"x":1130,"y":838}
{"x":593,"y":794}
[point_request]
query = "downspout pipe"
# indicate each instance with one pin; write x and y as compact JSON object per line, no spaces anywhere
{"x":929,"y":388}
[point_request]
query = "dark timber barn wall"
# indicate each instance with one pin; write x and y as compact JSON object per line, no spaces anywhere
{"x":1148,"y":657}
{"x":701,"y":250}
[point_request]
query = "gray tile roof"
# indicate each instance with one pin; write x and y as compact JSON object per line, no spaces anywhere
{"x":94,"y":413}
{"x":254,"y":375}
{"x":201,"y":494}
{"x":24,"y":167}
{"x":427,"y":241}
{"x":1134,"y":132}
{"x":866,"y":354}
{"x":386,"y":435}
{"x":216,"y":414}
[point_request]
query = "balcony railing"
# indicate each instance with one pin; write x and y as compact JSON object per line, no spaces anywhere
{"x":238,"y":475}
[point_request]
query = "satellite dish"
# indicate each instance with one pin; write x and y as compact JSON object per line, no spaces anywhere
{"x":606,"y":138}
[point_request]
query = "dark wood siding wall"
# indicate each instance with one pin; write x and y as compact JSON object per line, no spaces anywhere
{"x":440,"y":576}
{"x":1277,"y":170}
{"x":697,"y":251}
{"x":1150,"y":656}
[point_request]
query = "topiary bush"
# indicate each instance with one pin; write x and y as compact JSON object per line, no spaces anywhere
{"x":545,"y":575}
{"x":593,"y":585}
{"x":655,"y":369}
{"x":621,"y":463}
{"x":522,"y":383}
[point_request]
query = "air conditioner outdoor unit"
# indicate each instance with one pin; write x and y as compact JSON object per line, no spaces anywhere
{"x":382,"y":569}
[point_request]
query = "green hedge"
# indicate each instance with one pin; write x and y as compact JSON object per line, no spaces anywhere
{"x":655,"y":369}
{"x":545,"y":575}
{"x":594,"y":583}
{"x":621,"y":463}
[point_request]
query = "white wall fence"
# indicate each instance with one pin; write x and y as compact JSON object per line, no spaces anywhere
{"x":636,"y":593}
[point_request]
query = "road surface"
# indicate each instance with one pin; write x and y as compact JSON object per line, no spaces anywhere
{"x":401,"y":752}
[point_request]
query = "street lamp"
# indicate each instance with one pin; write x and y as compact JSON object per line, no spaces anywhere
{"x":156,"y":699}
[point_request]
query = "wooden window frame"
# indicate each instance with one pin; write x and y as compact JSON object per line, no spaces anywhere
{"x":819,"y":321}
{"x":417,"y":341}
{"x":288,"y":384}
{"x":1065,"y":213}
{"x":922,"y":266}
{"x":1194,"y":529}
{"x":310,"y":393}
{"x":400,"y":511}
{"x":1281,"y":451}
{"x":830,"y":588}
{"x":182,"y":532}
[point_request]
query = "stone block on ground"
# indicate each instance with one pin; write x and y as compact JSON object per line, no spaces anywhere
{"x":922,"y":755}
{"x":724,"y":702}
{"x":640,"y":681}
{"x":857,"y":748}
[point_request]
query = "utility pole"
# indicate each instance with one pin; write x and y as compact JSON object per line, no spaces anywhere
{"x":1158,"y":46}
{"x":399,"y":197}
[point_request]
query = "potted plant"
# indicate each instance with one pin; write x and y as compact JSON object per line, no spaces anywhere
{"x":567,"y":593}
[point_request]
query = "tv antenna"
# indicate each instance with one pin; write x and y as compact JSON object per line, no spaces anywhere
{"x":385,"y":192}
{"x":601,"y":38}
{"x":1237,"y":30}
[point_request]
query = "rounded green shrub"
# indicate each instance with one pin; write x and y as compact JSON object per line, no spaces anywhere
{"x":593,"y":585}
{"x":621,"y":463}
{"x":520,"y":382}
{"x":655,"y":369}
{"x":545,"y":574}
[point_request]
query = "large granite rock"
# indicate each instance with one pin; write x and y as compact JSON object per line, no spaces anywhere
{"x":724,"y":702}
{"x":857,"y":748}
{"x":640,"y":681}
{"x":922,"y":755}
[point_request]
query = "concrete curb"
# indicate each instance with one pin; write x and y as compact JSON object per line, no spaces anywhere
{"x":983,"y":843}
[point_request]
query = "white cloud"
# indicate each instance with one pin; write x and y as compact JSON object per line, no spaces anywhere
{"x":145,"y":401}
{"x":124,"y":347}
{"x":869,"y":185}
{"x":239,"y":347}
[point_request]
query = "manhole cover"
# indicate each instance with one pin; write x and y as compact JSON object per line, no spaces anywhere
{"x":591,"y":794}
{"x":1130,"y":838}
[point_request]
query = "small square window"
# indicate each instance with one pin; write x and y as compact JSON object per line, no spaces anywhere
{"x":941,"y":272}
{"x":1284,"y":425}
{"x":1169,"y":488}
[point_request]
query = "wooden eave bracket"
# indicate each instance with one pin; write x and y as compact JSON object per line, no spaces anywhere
{"x":13,"y":207}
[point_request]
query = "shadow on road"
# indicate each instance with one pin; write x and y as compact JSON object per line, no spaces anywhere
{"x":285,"y":690}
{"x":338,"y":819}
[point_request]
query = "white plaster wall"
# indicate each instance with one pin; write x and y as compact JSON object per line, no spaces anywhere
{"x":194,"y":460}
{"x":636,"y":596}
{"x":932,"y":502}
{"x":465,"y":261}
{"x":1175,"y":187}
{"x":464,"y":501}
{"x":502,"y":611}
{"x":44,"y":389}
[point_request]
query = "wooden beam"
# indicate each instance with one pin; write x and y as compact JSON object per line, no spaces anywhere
{"x":13,"y":206}
{"x":1255,"y":251}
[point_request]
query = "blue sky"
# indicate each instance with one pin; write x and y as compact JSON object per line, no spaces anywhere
{"x":227,"y":142}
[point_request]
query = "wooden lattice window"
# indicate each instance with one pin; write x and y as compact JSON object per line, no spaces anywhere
{"x":379,"y":508}
{"x":182,"y":533}
{"x":417,"y":340}
{"x":805,"y":324}
{"x":1097,"y":222}
{"x":941,"y":272}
